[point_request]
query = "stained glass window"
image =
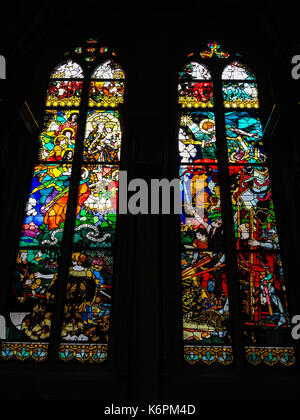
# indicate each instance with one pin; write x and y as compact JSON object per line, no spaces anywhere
{"x":218,"y":81}
{"x":79,"y":150}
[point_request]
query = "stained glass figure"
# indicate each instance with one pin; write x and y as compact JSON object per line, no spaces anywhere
{"x":205,"y":301}
{"x":265,"y":308}
{"x":254,"y":217}
{"x":46,"y":207}
{"x":197,"y":137}
{"x":31,"y":305}
{"x":96,"y":206}
{"x":201,"y":219}
{"x":88,"y":306}
{"x":58,"y":136}
{"x":102,"y":136}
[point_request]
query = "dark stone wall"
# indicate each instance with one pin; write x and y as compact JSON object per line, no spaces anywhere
{"x":152,"y":43}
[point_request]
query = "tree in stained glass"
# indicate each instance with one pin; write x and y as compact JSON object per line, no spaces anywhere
{"x":265,"y":315}
{"x":63,"y":152}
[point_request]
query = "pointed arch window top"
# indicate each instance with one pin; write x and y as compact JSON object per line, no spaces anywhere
{"x":67,"y":70}
{"x":195,"y":71}
{"x":108,"y":70}
{"x":237,"y":71}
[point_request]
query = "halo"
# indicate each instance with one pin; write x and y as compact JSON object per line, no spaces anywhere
{"x":207,"y":126}
{"x":72,"y":112}
{"x":68,"y":129}
{"x":85,"y":173}
{"x":60,"y":137}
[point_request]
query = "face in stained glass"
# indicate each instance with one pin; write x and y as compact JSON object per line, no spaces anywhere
{"x":102,"y":136}
{"x":244,"y":134}
{"x":205,"y":298}
{"x":88,"y":302}
{"x":96,"y":206}
{"x":57,"y":138}
{"x":254,"y":218}
{"x":46,"y":206}
{"x":201,"y":218}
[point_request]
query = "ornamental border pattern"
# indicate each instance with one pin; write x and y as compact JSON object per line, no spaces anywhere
{"x":208,"y":355}
{"x":38,"y":352}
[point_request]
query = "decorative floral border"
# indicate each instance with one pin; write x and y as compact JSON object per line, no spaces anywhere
{"x":84,"y":353}
{"x":270,"y":355}
{"x":208,"y":355}
{"x":37,"y":352}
